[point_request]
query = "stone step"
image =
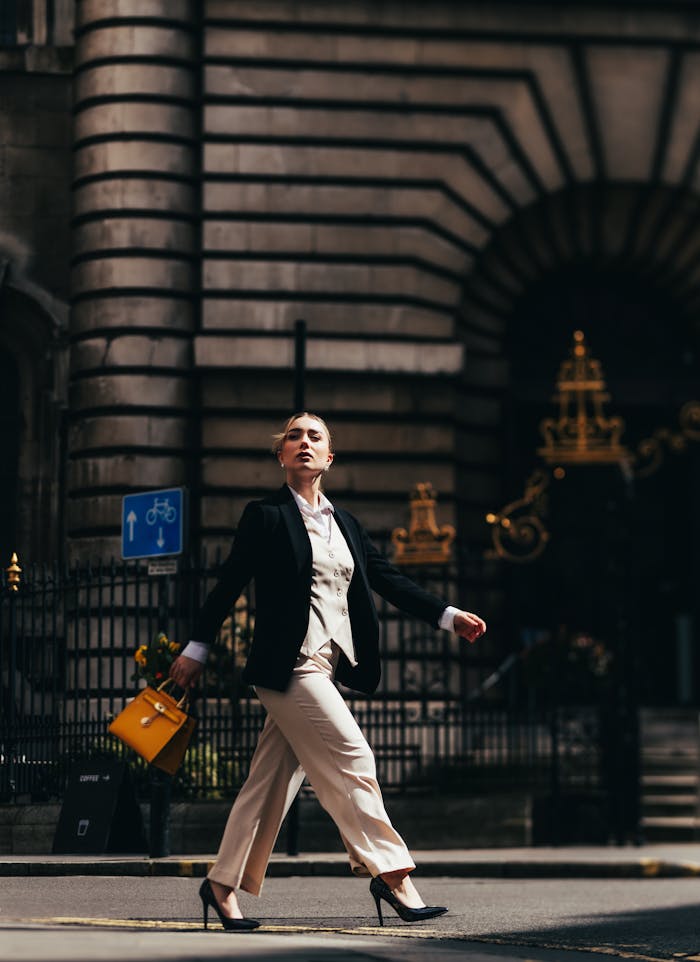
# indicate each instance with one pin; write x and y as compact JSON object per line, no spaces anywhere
{"x":659,"y":828}
{"x":675,"y":801}
{"x":672,"y":806}
{"x":670,"y":781}
{"x":670,"y":762}
{"x":681,"y":763}
{"x":671,"y":730}
{"x":672,"y":713}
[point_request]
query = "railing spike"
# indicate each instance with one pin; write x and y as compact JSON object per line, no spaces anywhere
{"x":14,"y":573}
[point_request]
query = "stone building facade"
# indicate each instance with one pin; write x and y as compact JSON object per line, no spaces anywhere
{"x":443,"y":192}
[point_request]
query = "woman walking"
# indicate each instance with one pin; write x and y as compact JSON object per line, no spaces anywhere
{"x":314,"y":569}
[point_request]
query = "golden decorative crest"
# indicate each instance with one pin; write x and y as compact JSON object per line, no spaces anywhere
{"x":518,"y":533}
{"x":650,"y":451}
{"x":582,"y":434}
{"x":424,"y":543}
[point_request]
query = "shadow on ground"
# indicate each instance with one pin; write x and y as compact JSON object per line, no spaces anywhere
{"x":667,"y":932}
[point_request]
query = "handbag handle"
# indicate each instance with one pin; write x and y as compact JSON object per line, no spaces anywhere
{"x":184,"y":701}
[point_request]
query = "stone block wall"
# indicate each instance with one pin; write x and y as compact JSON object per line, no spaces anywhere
{"x":135,"y":278}
{"x":397,"y":175}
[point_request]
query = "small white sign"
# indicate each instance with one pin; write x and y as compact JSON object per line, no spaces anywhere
{"x":166,"y":566}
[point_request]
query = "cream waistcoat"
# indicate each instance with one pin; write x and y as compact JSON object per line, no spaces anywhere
{"x":331,"y":573}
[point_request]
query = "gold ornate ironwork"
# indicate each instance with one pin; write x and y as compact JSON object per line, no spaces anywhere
{"x":651,"y":451}
{"x":424,"y":543}
{"x":582,"y":433}
{"x":14,"y":573}
{"x":518,"y":531}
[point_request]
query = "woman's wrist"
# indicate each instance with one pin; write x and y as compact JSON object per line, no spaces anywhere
{"x":447,"y":618}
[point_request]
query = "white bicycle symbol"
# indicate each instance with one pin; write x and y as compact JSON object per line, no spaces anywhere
{"x":161,"y":509}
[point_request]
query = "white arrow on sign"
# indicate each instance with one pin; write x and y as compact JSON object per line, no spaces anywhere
{"x":161,"y":540}
{"x":131,"y":520}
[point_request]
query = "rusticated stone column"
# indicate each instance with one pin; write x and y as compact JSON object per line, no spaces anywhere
{"x":136,"y":269}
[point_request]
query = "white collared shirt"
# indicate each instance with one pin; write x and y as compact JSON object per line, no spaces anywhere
{"x":321,"y":517}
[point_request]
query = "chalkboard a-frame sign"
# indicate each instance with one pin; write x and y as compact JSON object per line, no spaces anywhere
{"x":100,"y":813}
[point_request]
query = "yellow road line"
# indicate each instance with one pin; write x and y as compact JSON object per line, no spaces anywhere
{"x":402,"y":932}
{"x":178,"y":926}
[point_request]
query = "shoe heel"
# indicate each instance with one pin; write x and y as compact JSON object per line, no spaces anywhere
{"x":205,"y":909}
{"x":378,"y":903}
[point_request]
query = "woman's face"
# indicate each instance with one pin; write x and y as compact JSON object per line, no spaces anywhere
{"x":305,"y":449}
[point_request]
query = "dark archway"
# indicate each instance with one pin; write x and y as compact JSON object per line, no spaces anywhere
{"x":32,"y":372}
{"x":610,"y":558}
{"x":620,"y":263}
{"x":9,"y":462}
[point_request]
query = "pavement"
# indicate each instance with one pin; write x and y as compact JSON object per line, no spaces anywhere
{"x":661,"y":860}
{"x":568,"y":904}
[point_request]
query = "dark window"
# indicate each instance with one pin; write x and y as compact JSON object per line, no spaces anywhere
{"x":8,"y":22}
{"x":9,"y":446}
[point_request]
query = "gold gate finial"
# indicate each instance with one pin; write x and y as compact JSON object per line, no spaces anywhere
{"x":424,"y":543}
{"x":582,"y":433}
{"x":14,"y":573}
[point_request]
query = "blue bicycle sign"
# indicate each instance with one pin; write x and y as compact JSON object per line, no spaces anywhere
{"x":162,"y":510}
{"x":152,"y":523}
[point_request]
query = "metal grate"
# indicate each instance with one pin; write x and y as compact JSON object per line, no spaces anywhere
{"x":67,"y":640}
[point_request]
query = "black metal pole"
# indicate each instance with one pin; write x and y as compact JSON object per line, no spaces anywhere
{"x":555,"y":832}
{"x":299,"y":405}
{"x":159,"y":827}
{"x":299,"y":365}
{"x":10,"y":748}
{"x":160,"y":782}
{"x":631,"y":749}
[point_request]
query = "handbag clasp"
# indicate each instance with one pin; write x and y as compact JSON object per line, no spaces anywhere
{"x":149,"y":719}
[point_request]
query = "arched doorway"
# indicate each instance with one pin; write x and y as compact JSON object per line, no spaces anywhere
{"x":9,"y":445}
{"x":623,"y":558}
{"x":32,"y":399}
{"x":593,"y":259}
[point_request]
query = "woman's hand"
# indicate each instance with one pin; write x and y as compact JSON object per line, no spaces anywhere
{"x":186,"y":672}
{"x":469,"y":626}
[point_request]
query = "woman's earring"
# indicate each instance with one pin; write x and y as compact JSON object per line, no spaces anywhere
{"x":281,"y":464}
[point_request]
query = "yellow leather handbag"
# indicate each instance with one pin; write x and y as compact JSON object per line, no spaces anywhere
{"x":156,"y":726}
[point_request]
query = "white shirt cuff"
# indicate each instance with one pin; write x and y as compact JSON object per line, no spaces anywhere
{"x":196,"y":651}
{"x":447,"y":618}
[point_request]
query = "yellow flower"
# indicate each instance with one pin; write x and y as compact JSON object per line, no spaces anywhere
{"x":140,"y":655}
{"x":173,"y":646}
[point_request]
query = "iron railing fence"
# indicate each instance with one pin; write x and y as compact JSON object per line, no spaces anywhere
{"x":67,"y":640}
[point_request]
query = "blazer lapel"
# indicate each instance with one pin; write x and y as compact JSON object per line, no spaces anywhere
{"x":296,"y":529}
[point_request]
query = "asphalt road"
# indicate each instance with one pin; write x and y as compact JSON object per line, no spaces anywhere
{"x":107,"y":918}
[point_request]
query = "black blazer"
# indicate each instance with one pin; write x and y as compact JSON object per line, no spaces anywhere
{"x":272,"y":546}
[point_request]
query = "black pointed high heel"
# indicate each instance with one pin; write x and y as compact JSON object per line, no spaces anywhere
{"x":206,"y":894}
{"x":380,"y":890}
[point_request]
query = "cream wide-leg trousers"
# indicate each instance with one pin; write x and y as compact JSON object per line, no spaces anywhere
{"x":309,"y":730}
